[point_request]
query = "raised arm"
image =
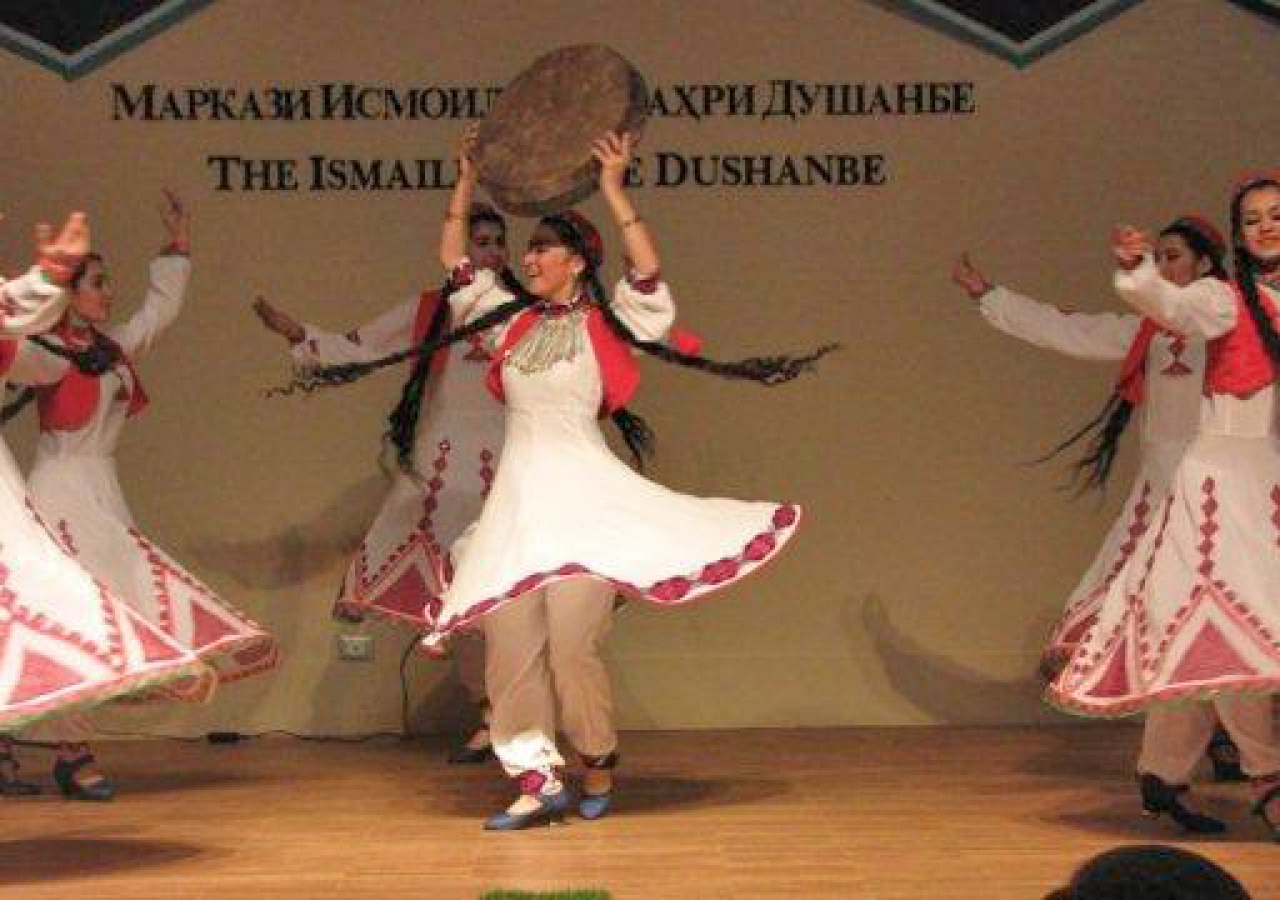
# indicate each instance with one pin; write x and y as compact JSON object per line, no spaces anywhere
{"x":453,"y":235}
{"x":1205,"y":308}
{"x":1092,"y":336}
{"x":169,"y":275}
{"x":613,"y":152}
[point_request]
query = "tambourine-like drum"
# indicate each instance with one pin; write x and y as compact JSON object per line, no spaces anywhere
{"x":533,"y":152}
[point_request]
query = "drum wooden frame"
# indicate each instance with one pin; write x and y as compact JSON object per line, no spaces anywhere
{"x":533,"y":151}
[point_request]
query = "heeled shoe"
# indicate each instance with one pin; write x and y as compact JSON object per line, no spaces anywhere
{"x":593,"y":806}
{"x":550,"y":811}
{"x":1260,"y":810}
{"x":10,"y":784}
{"x":64,"y":775}
{"x":1225,"y":757}
{"x":1158,"y":796}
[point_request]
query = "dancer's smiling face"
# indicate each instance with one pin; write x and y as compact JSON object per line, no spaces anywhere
{"x":1260,"y":224}
{"x":551,"y":269}
{"x":91,"y":296}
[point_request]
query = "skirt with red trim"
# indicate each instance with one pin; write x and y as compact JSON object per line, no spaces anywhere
{"x":80,"y":499}
{"x":1183,"y":602}
{"x":66,"y":641}
{"x":563,"y":506}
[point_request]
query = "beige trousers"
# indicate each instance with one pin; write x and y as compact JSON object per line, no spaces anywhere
{"x":543,"y":650}
{"x":1175,"y":738}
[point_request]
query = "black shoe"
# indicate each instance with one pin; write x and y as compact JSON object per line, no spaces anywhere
{"x":470,"y":756}
{"x":1260,"y":810}
{"x":64,"y":775}
{"x":1225,"y":756}
{"x":10,"y":784}
{"x":1160,"y":797}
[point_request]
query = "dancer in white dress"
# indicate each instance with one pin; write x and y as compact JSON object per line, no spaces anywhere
{"x":86,"y":386}
{"x":66,"y":641}
{"x":1161,"y":377}
{"x":458,"y":440}
{"x":1189,"y":627}
{"x":568,"y":525}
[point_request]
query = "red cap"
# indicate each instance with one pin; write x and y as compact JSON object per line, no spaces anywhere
{"x":1253,"y":178}
{"x":1206,"y":229}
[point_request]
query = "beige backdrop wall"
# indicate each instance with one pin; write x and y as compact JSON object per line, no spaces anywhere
{"x":934,"y":560}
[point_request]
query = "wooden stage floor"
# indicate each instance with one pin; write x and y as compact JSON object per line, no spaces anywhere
{"x":956,"y":813}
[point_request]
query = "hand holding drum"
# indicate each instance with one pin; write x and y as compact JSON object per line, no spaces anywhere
{"x":533,"y":153}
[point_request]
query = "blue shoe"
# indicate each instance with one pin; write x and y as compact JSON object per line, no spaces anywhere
{"x":594,"y":806}
{"x":550,"y":811}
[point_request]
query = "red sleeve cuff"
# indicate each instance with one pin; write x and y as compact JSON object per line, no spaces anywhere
{"x":646,"y":285}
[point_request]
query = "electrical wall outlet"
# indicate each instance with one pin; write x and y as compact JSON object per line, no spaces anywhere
{"x":357,"y":647}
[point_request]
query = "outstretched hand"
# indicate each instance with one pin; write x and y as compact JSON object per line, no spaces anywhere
{"x":970,"y":277}
{"x":60,"y":253}
{"x":613,"y":152}
{"x":176,"y":218}
{"x":1129,"y":245}
{"x":280,"y":322}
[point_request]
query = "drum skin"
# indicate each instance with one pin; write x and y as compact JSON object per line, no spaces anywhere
{"x":533,"y":151}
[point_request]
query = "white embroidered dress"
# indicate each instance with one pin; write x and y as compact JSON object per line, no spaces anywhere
{"x":66,"y":642}
{"x":1187,"y":606}
{"x":398,"y":567}
{"x":74,"y":483}
{"x":1165,"y":423}
{"x":564,"y":506}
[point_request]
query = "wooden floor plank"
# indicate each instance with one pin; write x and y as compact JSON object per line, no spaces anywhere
{"x":955,"y":813}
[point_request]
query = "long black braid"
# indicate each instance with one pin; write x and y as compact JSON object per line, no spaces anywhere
{"x":98,"y":358}
{"x":1247,"y":269}
{"x":1104,"y":431}
{"x":639,"y":437}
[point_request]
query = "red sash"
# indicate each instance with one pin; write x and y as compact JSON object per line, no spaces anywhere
{"x":1131,"y":383}
{"x":428,"y":303}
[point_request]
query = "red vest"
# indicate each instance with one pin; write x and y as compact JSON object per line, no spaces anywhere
{"x":619,"y":371}
{"x":8,"y":350}
{"x":71,"y":403}
{"x":1238,"y":362}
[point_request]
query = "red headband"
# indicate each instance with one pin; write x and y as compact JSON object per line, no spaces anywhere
{"x":1206,"y":229}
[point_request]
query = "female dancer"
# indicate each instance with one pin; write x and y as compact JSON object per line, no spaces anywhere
{"x":86,"y":386}
{"x":1163,"y":372}
{"x":567,"y":525}
{"x":66,"y":642}
{"x":1190,"y":625}
{"x":394,"y":573}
